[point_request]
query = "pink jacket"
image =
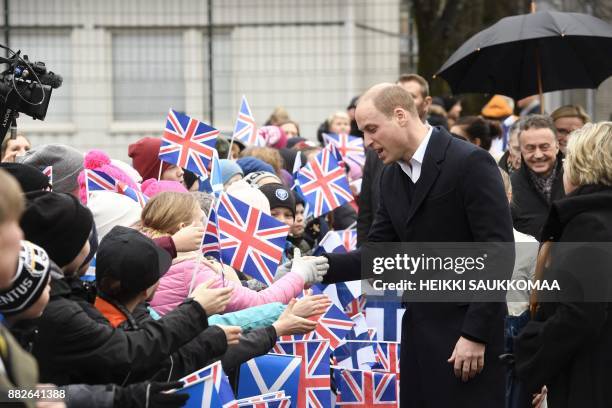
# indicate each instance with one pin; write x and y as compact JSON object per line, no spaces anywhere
{"x":174,"y":288}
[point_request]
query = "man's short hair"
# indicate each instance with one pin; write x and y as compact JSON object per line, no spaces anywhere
{"x":536,"y":122}
{"x":391,"y":97}
{"x":415,"y":78}
{"x":588,"y":158}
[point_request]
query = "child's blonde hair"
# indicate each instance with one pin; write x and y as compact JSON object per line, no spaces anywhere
{"x":338,"y":115}
{"x":165,"y":212}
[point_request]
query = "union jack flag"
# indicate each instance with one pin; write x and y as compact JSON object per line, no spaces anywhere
{"x":333,"y":325}
{"x":99,"y":181}
{"x":388,"y":357}
{"x":96,"y":180}
{"x":48,"y":171}
{"x":315,"y":383}
{"x":135,"y":195}
{"x":188,"y":143}
{"x":324,"y":184}
{"x":245,"y":129}
{"x":251,"y":241}
{"x":356,"y":306}
{"x":349,"y":239}
{"x":366,"y":388}
{"x":210,"y":240}
{"x":350,"y":147}
{"x":215,"y":389}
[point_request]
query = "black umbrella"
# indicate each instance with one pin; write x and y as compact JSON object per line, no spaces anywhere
{"x":533,"y":53}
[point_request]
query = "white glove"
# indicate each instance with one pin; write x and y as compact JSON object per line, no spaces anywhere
{"x":311,"y":269}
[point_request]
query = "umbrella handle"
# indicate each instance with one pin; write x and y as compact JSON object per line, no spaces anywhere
{"x":539,"y":73}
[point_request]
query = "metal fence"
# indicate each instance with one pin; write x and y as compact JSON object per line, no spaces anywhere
{"x":125,"y":63}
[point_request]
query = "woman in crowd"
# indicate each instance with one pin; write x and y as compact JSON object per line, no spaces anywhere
{"x":477,"y":130}
{"x":12,"y":148}
{"x":566,"y":347}
{"x":145,"y":159}
{"x":567,"y":119}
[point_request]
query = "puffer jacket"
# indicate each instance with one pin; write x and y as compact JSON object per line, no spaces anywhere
{"x":174,"y":288}
{"x":72,"y":336}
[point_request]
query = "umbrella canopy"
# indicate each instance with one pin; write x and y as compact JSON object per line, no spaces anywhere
{"x":532,"y":53}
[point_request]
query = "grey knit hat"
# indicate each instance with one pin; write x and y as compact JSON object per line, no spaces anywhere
{"x":67,"y":162}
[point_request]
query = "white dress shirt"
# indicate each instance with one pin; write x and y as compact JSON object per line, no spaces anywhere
{"x":413,"y":168}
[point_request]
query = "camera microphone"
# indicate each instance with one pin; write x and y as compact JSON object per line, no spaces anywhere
{"x":51,"y":79}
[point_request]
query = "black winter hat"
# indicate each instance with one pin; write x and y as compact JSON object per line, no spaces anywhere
{"x":29,"y":177}
{"x":58,"y":222}
{"x":33,"y":271}
{"x":279,"y":196}
{"x":131,"y":258}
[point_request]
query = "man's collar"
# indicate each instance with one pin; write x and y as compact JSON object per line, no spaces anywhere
{"x":413,"y":168}
{"x":419,"y":154}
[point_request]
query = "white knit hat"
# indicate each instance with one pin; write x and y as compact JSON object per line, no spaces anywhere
{"x":110,"y":209}
{"x":249,"y":195}
{"x":129,"y":170}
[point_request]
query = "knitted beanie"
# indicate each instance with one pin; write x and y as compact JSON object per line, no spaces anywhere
{"x":67,"y":162}
{"x":153,"y":187}
{"x":145,"y":157}
{"x":29,"y":282}
{"x":250,"y":164}
{"x":249,"y":195}
{"x":58,"y":222}
{"x":110,"y":209}
{"x":229,"y":168}
{"x":279,"y":196}
{"x":98,"y":160}
{"x":29,"y":177}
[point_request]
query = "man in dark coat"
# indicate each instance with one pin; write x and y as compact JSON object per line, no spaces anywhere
{"x":539,"y":181}
{"x":368,"y":197}
{"x":418,"y":88}
{"x":436,"y":189}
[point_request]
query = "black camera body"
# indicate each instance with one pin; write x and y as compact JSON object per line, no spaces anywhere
{"x":26,"y":88}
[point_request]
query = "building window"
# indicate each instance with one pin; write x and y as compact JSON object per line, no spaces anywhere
{"x":225,"y":107}
{"x":53,"y":47}
{"x":148,"y":75}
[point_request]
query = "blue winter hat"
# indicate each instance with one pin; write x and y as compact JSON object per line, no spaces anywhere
{"x":252,"y":164}
{"x":229,"y":168}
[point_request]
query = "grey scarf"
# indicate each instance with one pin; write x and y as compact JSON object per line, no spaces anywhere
{"x":544,"y":184}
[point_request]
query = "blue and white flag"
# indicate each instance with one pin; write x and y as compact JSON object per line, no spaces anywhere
{"x":270,"y":373}
{"x":358,"y":352}
{"x":214,"y":182}
{"x":384,"y":313}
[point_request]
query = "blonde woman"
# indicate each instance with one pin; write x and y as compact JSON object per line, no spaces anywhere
{"x":170,"y":212}
{"x":567,"y":345}
{"x":567,"y":119}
